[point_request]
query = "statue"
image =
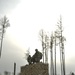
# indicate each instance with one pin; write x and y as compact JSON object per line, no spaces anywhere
{"x":35,"y":58}
{"x":29,"y":59}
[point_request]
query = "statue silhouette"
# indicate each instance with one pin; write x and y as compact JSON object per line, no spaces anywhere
{"x":35,"y":58}
{"x":29,"y":59}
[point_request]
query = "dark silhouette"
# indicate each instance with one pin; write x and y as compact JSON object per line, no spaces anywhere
{"x":72,"y":73}
{"x":29,"y":59}
{"x":35,"y":58}
{"x":14,"y":68}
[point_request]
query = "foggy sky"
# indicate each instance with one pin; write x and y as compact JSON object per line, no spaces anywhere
{"x":7,"y":6}
{"x":12,"y":53}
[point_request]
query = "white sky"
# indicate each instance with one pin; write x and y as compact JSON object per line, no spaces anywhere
{"x":30,"y":16}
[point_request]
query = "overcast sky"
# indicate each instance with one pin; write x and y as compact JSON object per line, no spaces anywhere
{"x":27,"y":17}
{"x":11,"y":53}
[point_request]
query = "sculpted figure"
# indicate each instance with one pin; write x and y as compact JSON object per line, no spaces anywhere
{"x":37,"y":56}
{"x":29,"y":59}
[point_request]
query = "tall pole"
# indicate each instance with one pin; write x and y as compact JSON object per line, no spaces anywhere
{"x":14,"y":68}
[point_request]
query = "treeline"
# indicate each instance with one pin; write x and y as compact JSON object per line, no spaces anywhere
{"x":49,"y":43}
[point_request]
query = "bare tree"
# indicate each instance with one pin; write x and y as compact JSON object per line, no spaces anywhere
{"x":47,"y":45}
{"x":4,"y":23}
{"x":61,"y":45}
{"x":51,"y":51}
{"x":42,"y":37}
{"x":55,"y":53}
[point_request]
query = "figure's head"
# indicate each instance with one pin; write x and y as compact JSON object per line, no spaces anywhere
{"x":36,"y":50}
{"x":29,"y":55}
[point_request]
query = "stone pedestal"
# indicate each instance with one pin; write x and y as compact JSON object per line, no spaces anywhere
{"x":35,"y":69}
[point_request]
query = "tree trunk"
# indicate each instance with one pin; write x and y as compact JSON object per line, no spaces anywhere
{"x":1,"y":41}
